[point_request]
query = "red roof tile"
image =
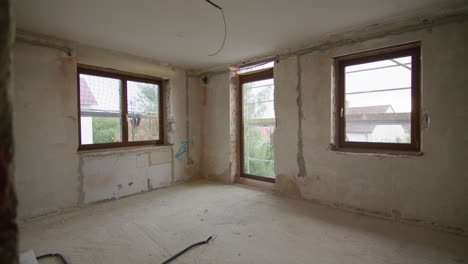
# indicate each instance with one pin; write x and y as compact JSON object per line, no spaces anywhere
{"x":86,"y":96}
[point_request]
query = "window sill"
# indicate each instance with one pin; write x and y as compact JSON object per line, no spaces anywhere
{"x":123,"y":150}
{"x":378,"y":152}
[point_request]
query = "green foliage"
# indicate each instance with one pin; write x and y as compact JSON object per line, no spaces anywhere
{"x":256,"y":110}
{"x":258,"y":140}
{"x":148,"y":98}
{"x":106,"y":129}
{"x":260,"y":148}
{"x":147,"y":103}
{"x":147,"y":129}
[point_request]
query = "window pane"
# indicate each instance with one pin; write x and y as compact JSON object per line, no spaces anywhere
{"x":143,"y":111}
{"x":259,"y":125}
{"x":142,"y":128}
{"x":378,"y":101}
{"x":258,"y":150}
{"x":96,"y":130}
{"x":258,"y":99}
{"x":257,"y":67}
{"x":100,"y":109}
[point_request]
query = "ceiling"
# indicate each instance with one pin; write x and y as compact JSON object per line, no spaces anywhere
{"x":184,"y":32}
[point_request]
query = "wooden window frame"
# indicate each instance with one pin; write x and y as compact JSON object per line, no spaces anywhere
{"x":263,"y":74}
{"x":123,"y":77}
{"x":413,"y":50}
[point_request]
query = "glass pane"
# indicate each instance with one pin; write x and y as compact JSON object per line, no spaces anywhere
{"x":259,"y":125}
{"x":257,"y":67}
{"x":258,"y":150}
{"x":100,"y":109}
{"x":258,"y":99}
{"x":143,"y":128}
{"x":143,"y":111}
{"x":96,"y":130}
{"x":378,"y":101}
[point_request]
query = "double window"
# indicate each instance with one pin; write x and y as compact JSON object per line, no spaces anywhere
{"x":118,"y":110}
{"x":378,"y":99}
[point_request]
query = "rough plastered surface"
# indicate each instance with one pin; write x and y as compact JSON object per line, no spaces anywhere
{"x":250,"y":226}
{"x":429,"y":188}
{"x":113,"y":175}
{"x":216,"y":129}
{"x":50,"y":174}
{"x":46,"y":130}
{"x":195,"y":114}
{"x":234,"y":127}
{"x":286,"y":112}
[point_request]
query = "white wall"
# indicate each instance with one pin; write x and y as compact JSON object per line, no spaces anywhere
{"x":216,"y":129}
{"x":429,"y":188}
{"x":46,"y":131}
{"x":86,"y":130}
{"x":387,"y":132}
{"x":118,"y":173}
{"x":50,"y":173}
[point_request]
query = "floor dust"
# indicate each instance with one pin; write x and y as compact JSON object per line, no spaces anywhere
{"x":251,"y":226}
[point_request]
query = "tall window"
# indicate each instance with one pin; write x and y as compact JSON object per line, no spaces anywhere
{"x":118,"y":110}
{"x":378,"y":99}
{"x":257,"y":125}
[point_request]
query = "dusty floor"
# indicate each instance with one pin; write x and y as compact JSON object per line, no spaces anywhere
{"x":251,"y":227}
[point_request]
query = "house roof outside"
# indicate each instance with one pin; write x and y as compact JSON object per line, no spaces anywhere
{"x":86,"y":96}
{"x":374,"y":109}
{"x":362,"y":110}
{"x":359,"y":128}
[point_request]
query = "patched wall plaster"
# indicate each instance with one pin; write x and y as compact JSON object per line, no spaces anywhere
{"x":51,"y":174}
{"x":427,"y":189}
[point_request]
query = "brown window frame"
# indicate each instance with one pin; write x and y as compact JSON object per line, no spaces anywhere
{"x":123,"y":77}
{"x":263,"y":74}
{"x":413,"y":50}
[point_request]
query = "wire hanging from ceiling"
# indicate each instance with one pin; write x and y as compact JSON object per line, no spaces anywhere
{"x":225,"y":27}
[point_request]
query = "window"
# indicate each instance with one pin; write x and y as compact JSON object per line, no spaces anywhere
{"x":378,"y":99}
{"x":257,"y":125}
{"x":118,"y":110}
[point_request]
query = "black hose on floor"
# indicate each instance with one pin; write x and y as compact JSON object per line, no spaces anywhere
{"x":53,"y":255}
{"x":187,"y":249}
{"x":165,"y":262}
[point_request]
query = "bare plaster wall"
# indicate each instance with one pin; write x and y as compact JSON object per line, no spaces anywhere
{"x":195,"y":116}
{"x":429,"y":188}
{"x":50,"y":173}
{"x":216,"y":129}
{"x":46,"y":131}
{"x":117,"y":173}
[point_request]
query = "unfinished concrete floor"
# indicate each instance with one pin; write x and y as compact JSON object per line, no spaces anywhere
{"x":251,"y":226}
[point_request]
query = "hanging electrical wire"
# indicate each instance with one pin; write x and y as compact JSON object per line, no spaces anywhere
{"x":225,"y":27}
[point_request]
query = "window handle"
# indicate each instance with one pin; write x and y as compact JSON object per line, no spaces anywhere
{"x":342,"y":112}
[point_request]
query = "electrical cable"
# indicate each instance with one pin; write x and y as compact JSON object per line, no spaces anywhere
{"x":225,"y":27}
{"x":187,"y":249}
{"x":57,"y":255}
{"x":53,"y":255}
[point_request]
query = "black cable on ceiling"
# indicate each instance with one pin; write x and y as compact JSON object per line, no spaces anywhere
{"x":225,"y":27}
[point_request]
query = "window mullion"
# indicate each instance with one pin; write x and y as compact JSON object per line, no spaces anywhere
{"x":124,"y":111}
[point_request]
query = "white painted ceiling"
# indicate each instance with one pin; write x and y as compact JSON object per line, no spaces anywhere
{"x":184,"y":32}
